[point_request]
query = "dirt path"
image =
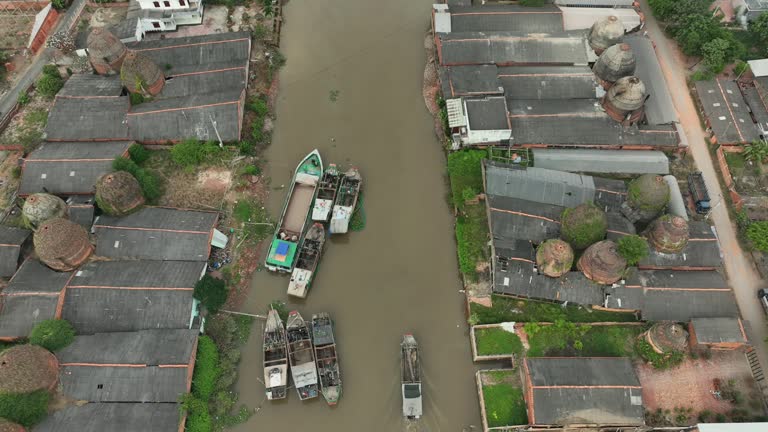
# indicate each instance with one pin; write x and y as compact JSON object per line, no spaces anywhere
{"x":741,"y":273}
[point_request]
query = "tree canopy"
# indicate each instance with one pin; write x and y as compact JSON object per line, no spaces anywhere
{"x":52,"y":334}
{"x":211,"y":292}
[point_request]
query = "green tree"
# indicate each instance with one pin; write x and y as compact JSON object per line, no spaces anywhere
{"x":715,"y":54}
{"x":759,"y":27}
{"x":756,"y":151}
{"x":52,"y":334}
{"x":206,"y":369}
{"x":633,"y":248}
{"x":757,"y":233}
{"x":25,"y":409}
{"x":49,"y":85}
{"x":211,"y":292}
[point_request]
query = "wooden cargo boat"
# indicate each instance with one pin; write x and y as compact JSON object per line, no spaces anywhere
{"x":326,"y":194}
{"x":306,"y":264}
{"x":411,"y":377}
{"x":346,"y":200}
{"x":296,"y":211}
{"x":301,"y":357}
{"x":326,"y":357}
{"x":275,"y":357}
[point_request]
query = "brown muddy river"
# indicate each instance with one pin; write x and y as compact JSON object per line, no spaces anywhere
{"x":399,"y":274}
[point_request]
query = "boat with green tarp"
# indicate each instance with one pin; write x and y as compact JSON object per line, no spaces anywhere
{"x":296,"y":212}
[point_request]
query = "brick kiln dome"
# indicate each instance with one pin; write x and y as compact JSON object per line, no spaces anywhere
{"x":602,"y":263}
{"x":41,"y":207}
{"x":554,"y":257}
{"x":139,"y":74}
{"x":583,"y":225}
{"x":648,"y":195}
{"x":8,"y":426}
{"x":625,"y":97}
{"x":666,"y":337}
{"x":616,"y":62}
{"x":605,"y":32}
{"x":668,"y":234}
{"x":105,"y":51}
{"x":27,"y":368}
{"x":62,"y":245}
{"x":118,"y":193}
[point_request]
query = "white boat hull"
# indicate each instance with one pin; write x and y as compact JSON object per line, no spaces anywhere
{"x":299,"y":284}
{"x":340,"y":219}
{"x":322,"y":210}
{"x":275,"y":376}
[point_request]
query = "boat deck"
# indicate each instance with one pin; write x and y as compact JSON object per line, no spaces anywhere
{"x":298,"y":208}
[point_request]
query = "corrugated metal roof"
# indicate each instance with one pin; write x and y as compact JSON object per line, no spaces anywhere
{"x":455,"y":113}
{"x":489,"y":113}
{"x":539,"y":185}
{"x":602,"y":161}
{"x":726,"y":111}
{"x":578,"y":18}
{"x":123,"y":417}
{"x":759,"y":67}
{"x":490,"y":18}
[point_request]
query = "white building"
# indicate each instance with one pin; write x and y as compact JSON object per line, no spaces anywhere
{"x":146,"y":16}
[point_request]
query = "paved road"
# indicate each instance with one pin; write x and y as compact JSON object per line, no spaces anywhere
{"x":743,"y":277}
{"x":68,"y":21}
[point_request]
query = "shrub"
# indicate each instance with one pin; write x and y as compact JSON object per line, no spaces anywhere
{"x":25,"y":409}
{"x":51,"y":70}
{"x":258,"y":106}
{"x":52,"y":334}
{"x":49,"y":85}
{"x":191,"y":152}
{"x":150,"y":184}
{"x":246,"y":148}
{"x":257,"y":129}
{"x":206,"y":369}
{"x":198,"y":417}
{"x":259,"y":31}
{"x":633,"y":248}
{"x":59,"y":4}
{"x":138,"y":153}
{"x":137,"y":98}
{"x":16,"y":172}
{"x":757,"y":233}
{"x":704,"y":75}
{"x":23,"y":98}
{"x":658,"y":361}
{"x":211,"y":292}
{"x":756,"y":151}
{"x":465,"y":172}
{"x":251,"y":170}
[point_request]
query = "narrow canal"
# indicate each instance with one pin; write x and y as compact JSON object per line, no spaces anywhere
{"x":352,"y":89}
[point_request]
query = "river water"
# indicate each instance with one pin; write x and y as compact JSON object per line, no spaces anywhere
{"x":399,"y":274}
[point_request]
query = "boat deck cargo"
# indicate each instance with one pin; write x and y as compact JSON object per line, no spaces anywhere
{"x":301,"y":357}
{"x":411,"y":377}
{"x":327,"y":360}
{"x":306,"y":263}
{"x":275,"y":357}
{"x":346,"y":200}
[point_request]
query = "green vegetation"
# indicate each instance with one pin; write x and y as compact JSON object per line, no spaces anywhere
{"x":25,"y":409}
{"x":504,"y":405}
{"x":254,"y":218}
{"x":443,"y":115}
{"x":257,"y":105}
{"x":138,"y":153}
{"x":471,"y":239}
{"x":583,"y":225}
{"x":59,"y":4}
{"x":568,"y":339}
{"x":658,"y":361}
{"x":50,"y":83}
{"x":507,"y":309}
{"x":465,"y":173}
{"x":633,"y":248}
{"x":357,"y":222}
{"x":38,"y":118}
{"x":497,"y":341}
{"x":756,"y":151}
{"x":149,"y":182}
{"x":212,"y":401}
{"x":190,"y":152}
{"x":52,"y":334}
{"x":23,"y":98}
{"x":259,"y":31}
{"x":137,"y":98}
{"x":211,"y":292}
{"x":757,"y":233}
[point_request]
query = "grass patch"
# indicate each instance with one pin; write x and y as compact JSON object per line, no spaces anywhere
{"x":504,"y":405}
{"x":254,"y":218}
{"x":466,"y":175}
{"x":497,"y":341}
{"x":507,"y":309}
{"x":471,"y":239}
{"x":36,"y":118}
{"x":597,"y":341}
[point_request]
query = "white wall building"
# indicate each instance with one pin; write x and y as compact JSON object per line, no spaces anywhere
{"x":146,"y":16}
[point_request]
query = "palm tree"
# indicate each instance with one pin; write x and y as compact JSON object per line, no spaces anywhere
{"x":757,"y":151}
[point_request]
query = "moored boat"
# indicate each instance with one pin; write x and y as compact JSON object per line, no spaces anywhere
{"x":306,"y":263}
{"x":301,"y":357}
{"x":326,"y":357}
{"x":411,"y":377}
{"x":296,"y":212}
{"x":275,"y":357}
{"x":346,"y":200}
{"x":326,"y":194}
